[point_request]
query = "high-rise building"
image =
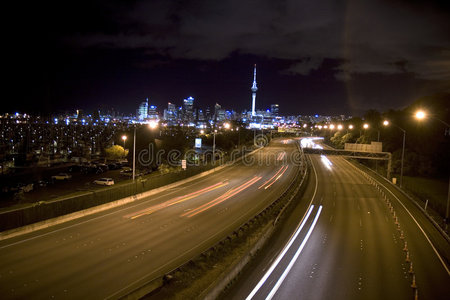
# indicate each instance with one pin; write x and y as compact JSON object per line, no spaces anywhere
{"x":152,"y":113}
{"x":254,"y":89}
{"x":170,"y":114}
{"x":142,"y":112}
{"x":188,"y":109}
{"x":219,"y":113}
{"x":274,"y":109}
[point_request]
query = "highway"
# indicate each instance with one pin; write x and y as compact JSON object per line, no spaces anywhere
{"x":108,"y":254}
{"x":344,"y":242}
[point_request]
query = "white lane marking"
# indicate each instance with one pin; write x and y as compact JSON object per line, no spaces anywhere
{"x":305,"y":217}
{"x":280,"y":256}
{"x":415,"y":221}
{"x":294,"y":259}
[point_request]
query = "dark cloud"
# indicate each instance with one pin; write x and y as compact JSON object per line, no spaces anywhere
{"x":356,"y":53}
{"x":371,"y":36}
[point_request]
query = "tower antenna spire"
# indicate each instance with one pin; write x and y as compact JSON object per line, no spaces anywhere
{"x":254,"y":89}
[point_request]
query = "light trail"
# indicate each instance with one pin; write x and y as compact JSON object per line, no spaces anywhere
{"x":326,"y":162}
{"x":279,"y":176}
{"x":222,"y":198}
{"x":281,"y":156}
{"x":176,"y":200}
{"x":271,"y":178}
{"x":280,"y":256}
{"x":294,"y":259}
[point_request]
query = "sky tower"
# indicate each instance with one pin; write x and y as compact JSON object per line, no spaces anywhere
{"x":254,"y":89}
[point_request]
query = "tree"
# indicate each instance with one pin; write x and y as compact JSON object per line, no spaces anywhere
{"x":115,"y":152}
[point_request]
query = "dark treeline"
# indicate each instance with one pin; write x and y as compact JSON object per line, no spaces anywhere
{"x":427,"y":143}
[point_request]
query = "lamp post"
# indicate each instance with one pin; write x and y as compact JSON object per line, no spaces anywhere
{"x":214,"y":146}
{"x":134,"y":153}
{"x":386,"y":123}
{"x":124,"y":138}
{"x":239,"y":137}
{"x":420,"y":115}
{"x":152,"y":125}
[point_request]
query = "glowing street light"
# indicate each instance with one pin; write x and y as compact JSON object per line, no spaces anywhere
{"x":214,"y":145}
{"x":124,"y":138}
{"x":350,"y":126}
{"x":365,"y":126}
{"x":226,"y":125}
{"x":332,"y":126}
{"x":420,"y":115}
{"x":202,"y":131}
{"x":153,"y":124}
{"x":339,"y":127}
{"x":387,"y":123}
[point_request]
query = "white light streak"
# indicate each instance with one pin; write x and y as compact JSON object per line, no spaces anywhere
{"x":326,"y":162}
{"x":280,"y":256}
{"x":294,"y":259}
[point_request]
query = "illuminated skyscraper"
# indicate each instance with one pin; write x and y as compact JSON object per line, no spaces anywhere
{"x":188,"y":109}
{"x":274,"y":109}
{"x":254,"y":89}
{"x":152,"y":113}
{"x":142,"y":112}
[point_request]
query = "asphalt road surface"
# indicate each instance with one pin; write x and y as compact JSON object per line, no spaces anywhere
{"x":108,"y":254}
{"x":347,"y":245}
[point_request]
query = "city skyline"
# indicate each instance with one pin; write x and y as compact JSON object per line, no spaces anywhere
{"x":312,"y":58}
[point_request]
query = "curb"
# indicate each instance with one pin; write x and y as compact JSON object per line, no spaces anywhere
{"x":96,"y":209}
{"x":435,"y":224}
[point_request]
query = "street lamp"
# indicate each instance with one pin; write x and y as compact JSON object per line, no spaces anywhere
{"x":152,"y":125}
{"x":420,"y":115}
{"x":386,"y":123}
{"x":124,"y":138}
{"x":214,"y":145}
{"x":366,"y":126}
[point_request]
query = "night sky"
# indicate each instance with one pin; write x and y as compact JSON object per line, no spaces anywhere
{"x":325,"y":57}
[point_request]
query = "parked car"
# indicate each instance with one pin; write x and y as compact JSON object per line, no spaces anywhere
{"x":27,"y":188}
{"x":103,"y":167}
{"x":113,"y":166}
{"x":129,"y":173}
{"x":41,"y":183}
{"x":62,"y":176}
{"x":104,"y":181}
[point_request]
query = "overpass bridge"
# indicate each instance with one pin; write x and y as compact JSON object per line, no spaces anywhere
{"x":354,"y":154}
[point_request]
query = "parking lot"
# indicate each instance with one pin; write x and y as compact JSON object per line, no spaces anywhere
{"x":44,"y":188}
